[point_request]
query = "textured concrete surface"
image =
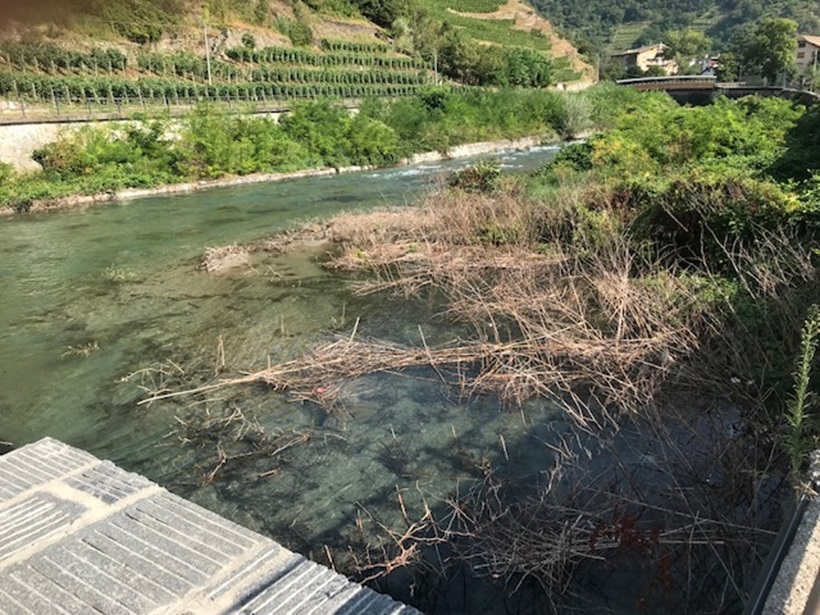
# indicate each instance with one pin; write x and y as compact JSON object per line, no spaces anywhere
{"x":82,"y":536}
{"x":799,"y":570}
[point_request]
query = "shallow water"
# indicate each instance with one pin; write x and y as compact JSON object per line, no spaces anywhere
{"x":100,"y":305}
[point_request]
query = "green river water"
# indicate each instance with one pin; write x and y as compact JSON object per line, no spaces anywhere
{"x":120,"y":281}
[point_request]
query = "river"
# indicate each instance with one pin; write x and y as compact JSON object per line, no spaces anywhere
{"x":102,"y":304}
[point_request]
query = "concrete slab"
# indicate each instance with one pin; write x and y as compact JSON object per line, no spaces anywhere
{"x":79,"y":535}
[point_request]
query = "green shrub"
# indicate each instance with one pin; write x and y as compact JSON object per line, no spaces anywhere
{"x":698,"y":215}
{"x":372,"y":142}
{"x":575,"y":156}
{"x":484,"y":176}
{"x":322,"y":128}
{"x":248,"y":41}
{"x":300,"y":33}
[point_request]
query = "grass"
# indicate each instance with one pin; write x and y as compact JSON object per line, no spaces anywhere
{"x":496,"y":31}
{"x":626,"y":34}
{"x":473,"y":6}
{"x":501,"y":32}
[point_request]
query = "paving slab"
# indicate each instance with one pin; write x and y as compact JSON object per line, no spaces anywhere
{"x":80,"y":535}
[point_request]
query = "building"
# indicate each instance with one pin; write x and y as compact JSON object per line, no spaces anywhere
{"x":808,"y":52}
{"x":647,"y":57}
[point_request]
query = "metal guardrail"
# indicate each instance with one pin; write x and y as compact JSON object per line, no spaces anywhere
{"x":21,"y":111}
{"x":668,"y":79}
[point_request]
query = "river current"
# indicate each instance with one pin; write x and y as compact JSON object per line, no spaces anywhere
{"x":99,"y":306}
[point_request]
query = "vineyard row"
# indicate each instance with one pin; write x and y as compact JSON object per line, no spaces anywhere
{"x":56,"y":89}
{"x":54,"y":60}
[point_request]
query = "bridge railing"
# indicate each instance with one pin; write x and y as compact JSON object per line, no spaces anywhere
{"x":668,"y":79}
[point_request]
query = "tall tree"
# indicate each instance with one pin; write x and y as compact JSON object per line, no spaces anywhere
{"x":686,"y":46}
{"x":768,"y":46}
{"x":776,"y":44}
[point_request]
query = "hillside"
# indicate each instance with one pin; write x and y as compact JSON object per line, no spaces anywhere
{"x":104,"y":52}
{"x":598,"y":24}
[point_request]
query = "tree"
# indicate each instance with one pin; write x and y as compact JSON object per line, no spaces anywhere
{"x":777,"y":42}
{"x":768,"y":46}
{"x":383,"y":12}
{"x":686,"y":46}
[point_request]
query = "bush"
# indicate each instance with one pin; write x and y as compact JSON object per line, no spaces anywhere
{"x":575,"y":156}
{"x":483,"y":177}
{"x":372,"y":142}
{"x":214,"y":144}
{"x":300,"y":33}
{"x":322,"y":128}
{"x":248,"y":41}
{"x":699,"y":215}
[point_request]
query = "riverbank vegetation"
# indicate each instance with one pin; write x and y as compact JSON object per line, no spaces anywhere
{"x":210,"y":144}
{"x":653,"y":281}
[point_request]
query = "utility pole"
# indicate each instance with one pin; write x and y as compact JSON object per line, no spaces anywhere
{"x":207,"y":46}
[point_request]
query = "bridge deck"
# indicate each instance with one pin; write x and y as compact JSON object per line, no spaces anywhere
{"x":82,"y":536}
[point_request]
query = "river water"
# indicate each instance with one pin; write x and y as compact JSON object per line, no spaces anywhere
{"x":99,"y":305}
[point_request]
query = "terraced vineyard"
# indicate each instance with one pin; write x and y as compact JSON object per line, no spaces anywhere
{"x":52,"y":75}
{"x":497,"y":31}
{"x":472,"y":18}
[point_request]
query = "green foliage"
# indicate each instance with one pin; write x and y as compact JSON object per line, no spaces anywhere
{"x":767,"y":46}
{"x":606,"y":24}
{"x":372,"y":142}
{"x":261,"y":12}
{"x":799,"y":442}
{"x":483,"y":177}
{"x":461,"y":59}
{"x":750,"y":133}
{"x":52,"y":59}
{"x":215,"y":144}
{"x":322,"y":128}
{"x":383,"y":12}
{"x":692,"y":181}
{"x":343,"y":8}
{"x":685,"y":46}
{"x":802,"y":158}
{"x":699,"y":213}
{"x":300,"y":33}
{"x":575,"y":156}
{"x":141,"y":21}
{"x":248,"y":41}
{"x":473,"y":6}
{"x":6,"y":173}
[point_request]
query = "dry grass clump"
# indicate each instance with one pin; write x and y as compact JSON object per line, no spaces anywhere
{"x":542,"y":327}
{"x":549,"y":316}
{"x":216,"y":260}
{"x":557,"y":298}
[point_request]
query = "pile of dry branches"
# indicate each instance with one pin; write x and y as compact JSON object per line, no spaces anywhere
{"x":544,"y":318}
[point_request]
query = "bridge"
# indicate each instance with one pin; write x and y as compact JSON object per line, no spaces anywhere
{"x":701,"y":89}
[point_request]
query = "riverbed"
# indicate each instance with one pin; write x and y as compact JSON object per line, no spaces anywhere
{"x":102,"y":306}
